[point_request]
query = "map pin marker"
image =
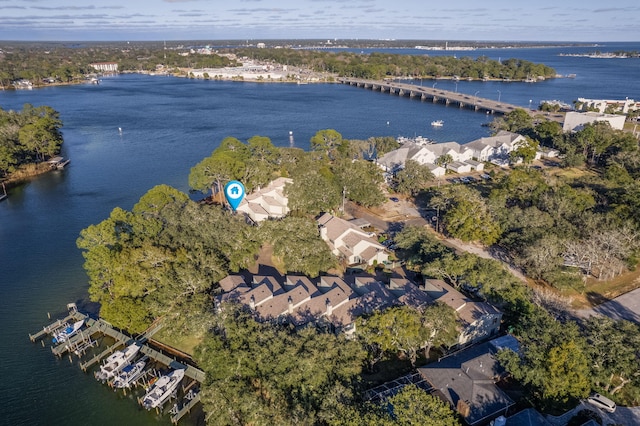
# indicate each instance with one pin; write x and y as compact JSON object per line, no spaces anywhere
{"x":234,"y":192}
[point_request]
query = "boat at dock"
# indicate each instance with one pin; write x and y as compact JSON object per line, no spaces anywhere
{"x":67,"y":332}
{"x":116,"y":362}
{"x":130,"y":374}
{"x":162,"y":389}
{"x":437,"y":123}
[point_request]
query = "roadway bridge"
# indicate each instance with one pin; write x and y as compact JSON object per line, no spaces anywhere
{"x":434,"y":95}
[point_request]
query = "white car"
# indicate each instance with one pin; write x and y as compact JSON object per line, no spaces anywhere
{"x":602,"y":402}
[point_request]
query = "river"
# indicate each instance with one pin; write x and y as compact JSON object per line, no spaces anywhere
{"x":168,"y":125}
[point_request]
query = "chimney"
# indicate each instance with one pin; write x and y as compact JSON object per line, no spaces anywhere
{"x":329,"y":307}
{"x":252,"y":302}
{"x":290,"y":301}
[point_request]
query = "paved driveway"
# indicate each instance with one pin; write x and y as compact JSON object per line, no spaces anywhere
{"x":625,"y":307}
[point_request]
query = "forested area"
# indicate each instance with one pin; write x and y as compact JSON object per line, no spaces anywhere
{"x":386,"y":65}
{"x":559,"y":227}
{"x":561,"y":360}
{"x":164,"y":258}
{"x":69,"y":63}
{"x":31,"y":135}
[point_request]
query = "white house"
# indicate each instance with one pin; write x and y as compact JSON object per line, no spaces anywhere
{"x":349,"y":242}
{"x":267,"y":202}
{"x":498,"y":146}
{"x":575,"y":121}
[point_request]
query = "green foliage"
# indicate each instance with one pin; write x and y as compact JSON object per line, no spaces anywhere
{"x":161,"y":258}
{"x":29,"y":136}
{"x":381,"y":65}
{"x":516,"y":121}
{"x":413,"y":178}
{"x":413,"y":406}
{"x":612,"y":350}
{"x":297,"y":242}
{"x":264,"y":374}
{"x":525,"y":150}
{"x":407,"y":330}
{"x":313,"y":192}
{"x":467,"y":216}
{"x":552,"y":361}
{"x":361,"y":180}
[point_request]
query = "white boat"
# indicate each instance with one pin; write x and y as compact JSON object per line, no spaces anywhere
{"x":162,"y":389}
{"x":116,"y":362}
{"x":437,"y":123}
{"x":130,"y":374}
{"x":64,"y":335}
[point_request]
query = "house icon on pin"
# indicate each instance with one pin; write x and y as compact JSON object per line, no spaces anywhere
{"x":235,"y":190}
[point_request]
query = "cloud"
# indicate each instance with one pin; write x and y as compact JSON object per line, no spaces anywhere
{"x":74,"y":7}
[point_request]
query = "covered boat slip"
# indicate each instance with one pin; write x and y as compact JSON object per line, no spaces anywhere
{"x":83,"y":340}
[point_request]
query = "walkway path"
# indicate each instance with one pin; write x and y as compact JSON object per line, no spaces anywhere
{"x":405,"y":213}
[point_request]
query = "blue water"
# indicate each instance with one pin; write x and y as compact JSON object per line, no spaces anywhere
{"x":168,"y":125}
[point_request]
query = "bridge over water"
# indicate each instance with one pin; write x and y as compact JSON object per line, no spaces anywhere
{"x":437,"y":95}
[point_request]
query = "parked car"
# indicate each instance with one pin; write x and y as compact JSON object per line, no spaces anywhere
{"x":394,"y":199}
{"x":602,"y":402}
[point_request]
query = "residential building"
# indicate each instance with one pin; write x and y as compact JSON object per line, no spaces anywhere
{"x":602,"y":105}
{"x":349,"y":242}
{"x":494,"y":147}
{"x":338,"y":302}
{"x":478,"y":320}
{"x":467,"y":381}
{"x":466,"y":158}
{"x":575,"y":121}
{"x":265,"y":203}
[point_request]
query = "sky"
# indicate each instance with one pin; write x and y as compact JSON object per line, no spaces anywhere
{"x":488,"y":20}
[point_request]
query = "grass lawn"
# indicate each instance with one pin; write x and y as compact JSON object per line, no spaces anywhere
{"x":596,"y":292}
{"x":183,"y":342}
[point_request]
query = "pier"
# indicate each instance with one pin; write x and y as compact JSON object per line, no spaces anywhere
{"x":433,"y":94}
{"x":445,"y":97}
{"x":81,"y":342}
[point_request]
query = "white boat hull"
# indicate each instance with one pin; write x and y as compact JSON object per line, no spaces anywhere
{"x":161,"y":390}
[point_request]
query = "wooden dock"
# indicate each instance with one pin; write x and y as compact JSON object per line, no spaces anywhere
{"x":83,"y":340}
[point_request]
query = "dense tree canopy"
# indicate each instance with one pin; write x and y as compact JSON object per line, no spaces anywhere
{"x":28,"y":136}
{"x":160,"y":259}
{"x":260,"y":373}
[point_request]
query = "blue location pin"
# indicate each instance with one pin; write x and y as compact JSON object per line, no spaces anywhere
{"x":234,"y":192}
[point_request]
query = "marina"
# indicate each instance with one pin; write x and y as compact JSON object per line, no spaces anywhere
{"x":121,"y":369}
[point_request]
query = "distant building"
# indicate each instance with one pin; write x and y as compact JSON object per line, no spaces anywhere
{"x":466,"y":157}
{"x":623,"y":106}
{"x":575,"y":121}
{"x":105,"y":66}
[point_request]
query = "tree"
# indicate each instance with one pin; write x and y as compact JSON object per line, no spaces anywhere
{"x":552,"y":359}
{"x":327,"y":141}
{"x":525,"y":150}
{"x":361,"y":180}
{"x":413,"y":178}
{"x":259,"y":373}
{"x":407,"y":330}
{"x":413,"y":406}
{"x":516,"y":121}
{"x":313,"y":192}
{"x":297,"y":243}
{"x":444,"y":160}
{"x":612,"y":350}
